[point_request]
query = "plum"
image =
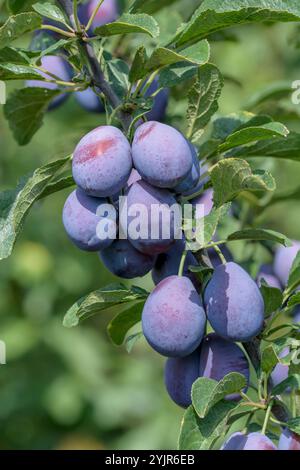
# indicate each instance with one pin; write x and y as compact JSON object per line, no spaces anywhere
{"x":289,"y":441}
{"x":123,"y":260}
{"x":80,"y":219}
{"x":167,"y":264}
{"x":160,"y":104}
{"x":102,"y":162}
{"x":89,"y":101}
{"x":180,"y":374}
{"x":141,"y":223}
{"x":191,"y":180}
{"x":252,"y":441}
{"x":173,"y":318}
{"x":283,"y":261}
{"x":280,"y":371}
{"x":266,"y":273}
{"x":234,"y":304}
{"x":107,"y":13}
{"x":203,"y":204}
{"x":161,"y":154}
{"x":296,"y":318}
{"x":219,"y":357}
{"x":57,"y":66}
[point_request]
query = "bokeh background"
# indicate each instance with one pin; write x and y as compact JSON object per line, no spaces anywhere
{"x":72,"y":389}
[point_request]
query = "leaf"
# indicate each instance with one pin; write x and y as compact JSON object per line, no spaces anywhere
{"x":121,"y":324}
{"x":130,"y":23}
{"x":16,"y":6}
{"x":15,"y":204}
{"x":198,"y":54}
{"x":286,"y":148}
{"x":149,"y":6}
{"x":294,"y":425}
{"x":58,"y":183}
{"x":131,"y":340}
{"x":292,"y":382}
{"x":294,"y":275}
{"x":13,"y":56}
{"x":274,"y":91}
{"x":25,"y":109}
{"x":294,"y":300}
{"x":117,"y":74}
{"x":175,"y":74}
{"x":207,"y":225}
{"x":18,"y":25}
{"x":260,"y":234}
{"x":272,"y":298}
{"x":100,"y":300}
{"x":252,"y":134}
{"x":231,"y":176}
{"x":216,"y":15}
{"x":48,"y":10}
{"x":269,"y":358}
{"x":18,"y":72}
{"x":203,"y":99}
{"x":137,"y":70}
{"x":207,"y":392}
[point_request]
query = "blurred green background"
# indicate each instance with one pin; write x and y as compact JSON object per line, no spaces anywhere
{"x":72,"y":389}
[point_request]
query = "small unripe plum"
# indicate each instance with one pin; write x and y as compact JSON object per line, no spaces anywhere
{"x":107,"y":13}
{"x":266,"y":273}
{"x":123,"y":260}
{"x":180,"y":374}
{"x":102,"y":161}
{"x":252,"y":441}
{"x":173,"y":318}
{"x":234,"y":304}
{"x":283,"y":261}
{"x":289,"y":441}
{"x":161,"y":154}
{"x":148,"y":232}
{"x":167,"y":264}
{"x":191,"y":180}
{"x":160,"y":104}
{"x":219,"y":357}
{"x":89,"y":101}
{"x":57,"y":66}
{"x":80,"y":220}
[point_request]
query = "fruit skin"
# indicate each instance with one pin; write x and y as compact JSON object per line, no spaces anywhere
{"x":167,"y":264}
{"x":289,"y":441}
{"x":266,"y":273}
{"x":123,"y":260}
{"x":180,"y":374}
{"x":58,"y":66}
{"x":283,"y":261}
{"x":173,"y":318}
{"x":80,"y":220}
{"x":148,"y":196}
{"x":158,"y":112}
{"x":191,"y":180}
{"x":89,"y":101}
{"x":219,"y":357}
{"x":252,"y":441}
{"x":204,"y":202}
{"x":280,"y":371}
{"x":102,"y":162}
{"x":234,"y":304}
{"x":107,"y":13}
{"x":161,"y":154}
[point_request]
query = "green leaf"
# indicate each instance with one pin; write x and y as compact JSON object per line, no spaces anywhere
{"x":117,"y":72}
{"x":131,"y":340}
{"x":272,"y":298}
{"x":260,"y":234}
{"x":121,"y":324}
{"x":294,"y":300}
{"x":207,"y":392}
{"x":49,"y":10}
{"x":15,"y":204}
{"x":18,"y":72}
{"x":294,"y":425}
{"x":137,"y":70}
{"x":100,"y":300}
{"x":216,"y":15}
{"x":272,"y":92}
{"x":292,"y":383}
{"x":203,"y":99}
{"x":58,"y":183}
{"x":16,"y":6}
{"x":269,"y":358}
{"x":25,"y":109}
{"x":287,"y":148}
{"x":18,"y":25}
{"x":254,"y":134}
{"x":175,"y":74}
{"x":149,"y":6}
{"x":13,"y":56}
{"x":231,"y":176}
{"x":207,"y":225}
{"x":198,"y":54}
{"x":294,"y":275}
{"x":128,"y":23}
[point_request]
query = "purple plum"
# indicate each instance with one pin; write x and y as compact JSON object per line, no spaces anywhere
{"x":280,"y":371}
{"x":234,"y":304}
{"x":173,"y":318}
{"x":283,"y":261}
{"x":89,"y":101}
{"x":289,"y":441}
{"x":252,"y":441}
{"x":266,"y":273}
{"x":191,"y":180}
{"x":102,"y":161}
{"x":160,"y":104}
{"x":107,"y":13}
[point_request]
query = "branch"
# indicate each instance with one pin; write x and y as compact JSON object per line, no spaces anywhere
{"x":95,"y":70}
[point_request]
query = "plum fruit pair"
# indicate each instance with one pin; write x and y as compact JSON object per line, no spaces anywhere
{"x":257,"y":441}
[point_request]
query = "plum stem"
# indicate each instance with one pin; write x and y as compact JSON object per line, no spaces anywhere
{"x":75,"y":15}
{"x":95,"y":69}
{"x":182,"y":262}
{"x":219,"y":253}
{"x":58,"y":30}
{"x":92,"y":17}
{"x":267,"y":417}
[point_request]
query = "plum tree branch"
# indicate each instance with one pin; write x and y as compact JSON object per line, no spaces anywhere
{"x":95,"y":70}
